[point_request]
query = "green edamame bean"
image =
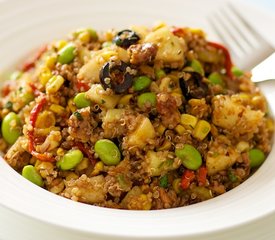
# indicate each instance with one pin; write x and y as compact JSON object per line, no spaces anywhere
{"x":30,"y":173}
{"x":66,"y":54}
{"x":197,"y":67}
{"x":10,"y":128}
{"x":70,"y":160}
{"x":145,"y":99}
{"x":236,"y":71}
{"x":215,"y":79}
{"x":190,"y":157}
{"x":108,"y":152}
{"x":256,"y":157}
{"x":160,"y":73}
{"x":81,"y":101}
{"x":141,"y":83}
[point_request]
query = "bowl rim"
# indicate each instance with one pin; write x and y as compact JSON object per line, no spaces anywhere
{"x":217,"y":212}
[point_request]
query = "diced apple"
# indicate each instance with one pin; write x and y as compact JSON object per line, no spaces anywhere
{"x":98,"y":95}
{"x":144,"y":132}
{"x":170,"y":47}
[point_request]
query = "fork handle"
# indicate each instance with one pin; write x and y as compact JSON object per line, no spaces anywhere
{"x":265,"y":70}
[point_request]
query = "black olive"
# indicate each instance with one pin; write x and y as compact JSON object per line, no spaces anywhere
{"x":116,"y":75}
{"x":192,"y":85}
{"x":126,"y":38}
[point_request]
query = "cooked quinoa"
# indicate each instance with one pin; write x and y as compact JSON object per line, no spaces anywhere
{"x":139,"y":119}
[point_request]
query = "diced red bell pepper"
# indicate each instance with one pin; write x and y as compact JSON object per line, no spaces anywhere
{"x":82,"y":86}
{"x":179,"y":32}
{"x":228,"y":61}
{"x":201,"y":176}
{"x":187,"y":177}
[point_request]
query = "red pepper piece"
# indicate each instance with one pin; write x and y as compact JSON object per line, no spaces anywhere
{"x":6,"y":89}
{"x":46,"y":157}
{"x":228,"y":61}
{"x":187,"y":177}
{"x":86,"y":152}
{"x":36,"y":110}
{"x":201,"y":176}
{"x":31,"y":63}
{"x":36,"y":92}
{"x":179,"y":32}
{"x":82,"y":86}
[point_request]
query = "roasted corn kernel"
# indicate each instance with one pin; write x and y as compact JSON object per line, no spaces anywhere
{"x":44,"y":75}
{"x":54,"y":84}
{"x":188,"y":120}
{"x":57,"y":109}
{"x":180,"y":129}
{"x":201,"y":129}
{"x":98,"y":168}
{"x":50,"y":61}
{"x":83,"y":164}
{"x":165,"y":146}
{"x":160,"y":129}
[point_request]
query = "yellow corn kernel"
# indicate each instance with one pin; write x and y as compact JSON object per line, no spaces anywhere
{"x":98,"y":168}
{"x":46,"y":131}
{"x":177,"y":92}
{"x":45,"y":119}
{"x":165,"y":146}
{"x":57,"y":109}
{"x":146,"y":203}
{"x":71,"y":176}
{"x":50,"y":61}
{"x":125,"y":100}
{"x":244,"y":96}
{"x":54,"y":84}
{"x":60,"y":152}
{"x":71,"y":106}
{"x":106,"y":55}
{"x":60,"y":44}
{"x":270,"y":125}
{"x":37,"y":163}
{"x":197,"y":31}
{"x":83,"y":164}
{"x":259,"y":102}
{"x":177,"y":185}
{"x":180,"y":129}
{"x":202,"y":129}
{"x":84,"y":36}
{"x":165,"y":85}
{"x":160,"y":129}
{"x":109,"y":35}
{"x":44,"y":75}
{"x":188,"y":120}
{"x":242,"y":146}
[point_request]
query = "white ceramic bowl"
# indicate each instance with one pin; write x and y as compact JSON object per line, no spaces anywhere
{"x":29,"y":212}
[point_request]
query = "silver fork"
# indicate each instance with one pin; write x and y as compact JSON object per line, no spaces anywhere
{"x":247,"y":47}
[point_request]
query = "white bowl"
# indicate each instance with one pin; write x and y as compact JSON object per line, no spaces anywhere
{"x":29,"y":212}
